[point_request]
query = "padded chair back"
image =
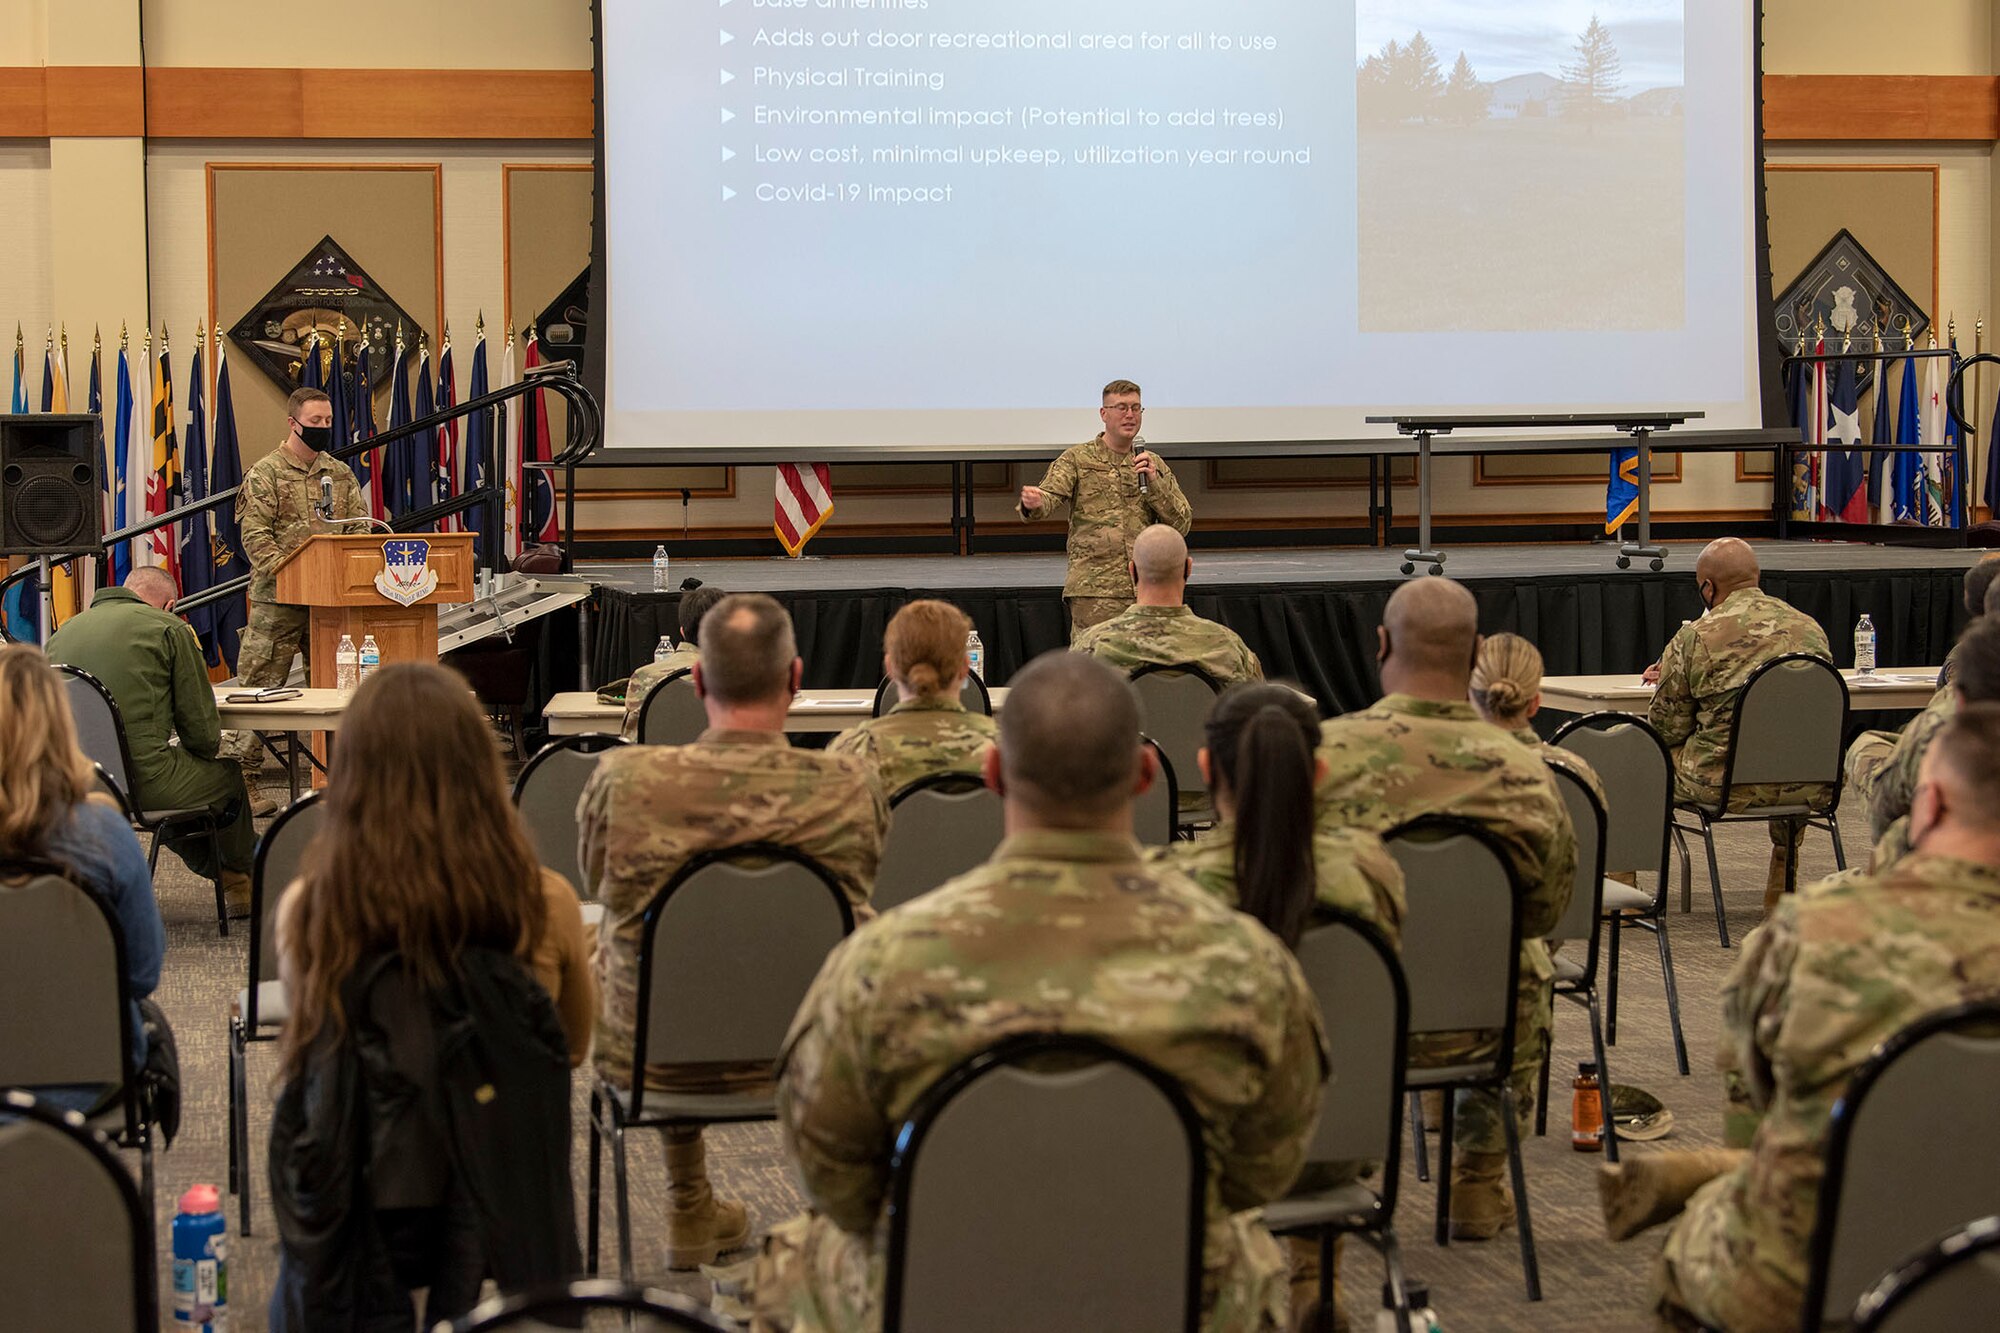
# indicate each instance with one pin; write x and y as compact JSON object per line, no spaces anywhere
{"x":546,"y":794}
{"x":1014,"y":1169}
{"x":972,"y":694}
{"x":100,"y":729}
{"x":1791,"y":720}
{"x":1157,"y":811}
{"x":92,"y":1269}
{"x":280,"y":852}
{"x":1586,"y":899}
{"x":1174,"y":704}
{"x":1909,"y":1154}
{"x":62,"y":988}
{"x":1637,"y":773}
{"x":1462,"y":929}
{"x":1953,"y":1284}
{"x":570,"y":1302}
{"x":939,"y":827}
{"x":672,"y":714}
{"x":699,"y":1000}
{"x":1355,"y":975}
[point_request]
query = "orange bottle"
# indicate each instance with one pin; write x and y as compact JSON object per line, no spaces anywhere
{"x":1586,"y":1112}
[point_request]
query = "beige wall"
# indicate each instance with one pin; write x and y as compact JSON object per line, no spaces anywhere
{"x":370,"y":34}
{"x":1874,"y":37}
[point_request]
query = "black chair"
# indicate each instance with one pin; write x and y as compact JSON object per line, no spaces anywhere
{"x":1909,"y":1155}
{"x":698,"y":1002}
{"x":1576,"y":980}
{"x":261,"y":1006}
{"x":1358,"y":980}
{"x":1174,"y":704}
{"x":546,"y":793}
{"x":1049,"y":1181}
{"x":532,"y":1310}
{"x":1156,"y":813}
{"x":79,"y":1251}
{"x":1953,"y":1284}
{"x":1788,"y":726}
{"x":69,"y":1011}
{"x":100,"y":731}
{"x":672,"y":713}
{"x":940,"y":826}
{"x":972,"y":694}
{"x":1464,"y":910}
{"x":1637,"y":772}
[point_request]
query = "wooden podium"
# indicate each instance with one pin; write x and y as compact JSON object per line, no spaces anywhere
{"x":333,"y":575}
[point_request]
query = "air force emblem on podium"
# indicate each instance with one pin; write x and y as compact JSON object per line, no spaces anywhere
{"x":407,"y":577}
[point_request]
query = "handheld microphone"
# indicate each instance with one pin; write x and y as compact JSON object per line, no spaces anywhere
{"x":326,"y":497}
{"x":1145,"y":481}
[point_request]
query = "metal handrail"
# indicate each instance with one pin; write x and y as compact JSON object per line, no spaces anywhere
{"x":584,"y":432}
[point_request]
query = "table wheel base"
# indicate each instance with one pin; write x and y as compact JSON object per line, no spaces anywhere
{"x":1435,"y":559}
{"x":1656,"y":556}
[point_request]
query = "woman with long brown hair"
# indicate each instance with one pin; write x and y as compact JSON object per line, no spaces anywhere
{"x":51,"y":814}
{"x":423,"y":1067}
{"x":929,"y":730}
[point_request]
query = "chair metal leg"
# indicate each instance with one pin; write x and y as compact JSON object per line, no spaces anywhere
{"x":1530,"y":1268}
{"x":221,"y":898}
{"x":1392,"y":1268}
{"x":1839,"y":846}
{"x":153,"y":853}
{"x":1542,"y":1097}
{"x":1687,"y":867}
{"x":1611,"y":981}
{"x":621,"y":1198}
{"x":235,"y":1055}
{"x":1715,"y":883}
{"x":1673,"y":993}
{"x":1422,"y":1152}
{"x":592,"y":1195}
{"x":1603,"y":1078}
{"x":1326,"y":1319}
{"x":1445,"y":1132}
{"x":146,"y":1189}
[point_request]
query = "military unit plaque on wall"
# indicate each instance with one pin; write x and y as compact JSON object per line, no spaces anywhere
{"x":1848,"y":293}
{"x":326,"y":292}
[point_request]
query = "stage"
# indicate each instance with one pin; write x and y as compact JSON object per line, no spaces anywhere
{"x":1310,"y":615}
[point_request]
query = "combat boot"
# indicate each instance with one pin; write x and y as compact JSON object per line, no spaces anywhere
{"x":1482,"y":1206}
{"x":1432,"y":1101}
{"x":699,"y":1225}
{"x":236,"y":893}
{"x":1308,"y":1315}
{"x":1643,"y":1191}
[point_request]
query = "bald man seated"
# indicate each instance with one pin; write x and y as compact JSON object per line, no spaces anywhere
{"x":1160,"y":629}
{"x":152,"y":663}
{"x":1703,"y":671}
{"x":1422,"y":750}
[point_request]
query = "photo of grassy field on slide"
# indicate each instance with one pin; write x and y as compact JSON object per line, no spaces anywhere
{"x":1517,"y":174}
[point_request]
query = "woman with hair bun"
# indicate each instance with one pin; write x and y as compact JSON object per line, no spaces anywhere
{"x":929,"y":730}
{"x":1507,"y":691}
{"x":1267,"y":855}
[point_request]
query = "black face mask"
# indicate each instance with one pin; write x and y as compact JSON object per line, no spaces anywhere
{"x":316,"y":438}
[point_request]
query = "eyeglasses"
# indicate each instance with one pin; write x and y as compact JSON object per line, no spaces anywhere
{"x":1120,"y":409}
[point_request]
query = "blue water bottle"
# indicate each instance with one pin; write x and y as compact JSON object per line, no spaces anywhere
{"x":201,"y":1261}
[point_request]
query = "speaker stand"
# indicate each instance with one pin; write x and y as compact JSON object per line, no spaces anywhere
{"x":46,"y":574}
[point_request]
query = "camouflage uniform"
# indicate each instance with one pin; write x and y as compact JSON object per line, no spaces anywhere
{"x":1107,"y":514}
{"x":1831,"y":974}
{"x":1407,"y":757}
{"x":648,"y":809}
{"x":275,"y":508}
{"x":1059,"y":932}
{"x":1167,"y":636}
{"x":917,"y":738}
{"x":1354,"y":872}
{"x":684,"y":657}
{"x":1704,"y":669}
{"x":1896,"y":781}
{"x":152,"y":663}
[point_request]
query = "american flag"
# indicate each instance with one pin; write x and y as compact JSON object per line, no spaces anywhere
{"x":805,"y":502}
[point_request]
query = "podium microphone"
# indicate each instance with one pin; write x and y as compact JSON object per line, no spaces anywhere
{"x":325,"y":506}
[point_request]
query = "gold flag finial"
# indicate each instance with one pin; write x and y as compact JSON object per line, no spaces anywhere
{"x":124,"y":335}
{"x":146,"y":341}
{"x":531,"y":333}
{"x":399,"y":338}
{"x":52,"y":338}
{"x":200,"y":333}
{"x":444,"y":345}
{"x":96,"y":338}
{"x":479,"y":328}
{"x":163,"y":337}
{"x":62,"y":340}
{"x":510,"y":335}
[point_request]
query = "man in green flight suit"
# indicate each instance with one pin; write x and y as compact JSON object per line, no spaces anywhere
{"x":1114,"y":489}
{"x":151,"y":662}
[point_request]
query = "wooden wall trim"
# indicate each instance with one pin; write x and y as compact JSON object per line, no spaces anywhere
{"x":71,"y":101}
{"x":1862,"y":107}
{"x":189,"y":102}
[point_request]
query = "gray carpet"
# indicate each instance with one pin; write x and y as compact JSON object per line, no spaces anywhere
{"x":1589,"y":1283}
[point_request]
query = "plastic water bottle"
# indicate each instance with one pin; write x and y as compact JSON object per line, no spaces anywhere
{"x":660,"y":568}
{"x":1864,"y":646}
{"x":975,"y":655}
{"x":346,"y":664}
{"x":665,"y":650}
{"x":371,"y":656}
{"x":1423,"y":1319}
{"x":201,"y":1261}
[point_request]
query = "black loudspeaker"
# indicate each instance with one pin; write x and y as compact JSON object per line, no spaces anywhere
{"x":51,"y":471}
